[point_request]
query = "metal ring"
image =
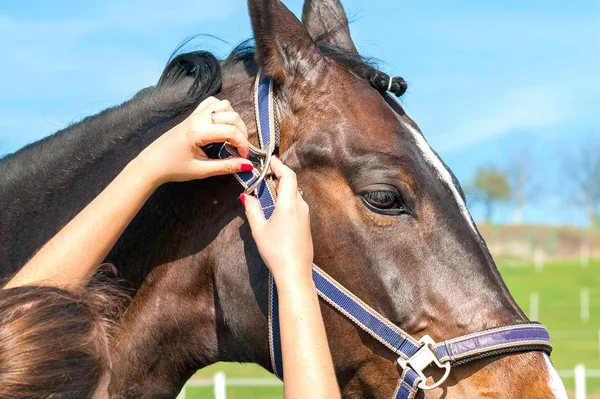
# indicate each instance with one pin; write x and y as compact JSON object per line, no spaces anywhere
{"x":265,"y":167}
{"x":300,"y":192}
{"x":212,"y":116}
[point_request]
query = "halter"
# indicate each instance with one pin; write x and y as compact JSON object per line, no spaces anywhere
{"x":414,"y":356}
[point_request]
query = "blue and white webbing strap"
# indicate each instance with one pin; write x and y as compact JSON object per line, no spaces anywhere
{"x":268,"y":137}
{"x":408,"y":385}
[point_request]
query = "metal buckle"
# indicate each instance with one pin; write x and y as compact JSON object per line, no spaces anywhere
{"x":422,"y":359}
{"x":263,"y":172}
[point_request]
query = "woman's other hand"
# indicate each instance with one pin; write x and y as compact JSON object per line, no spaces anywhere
{"x":284,"y":241}
{"x":177,"y":154}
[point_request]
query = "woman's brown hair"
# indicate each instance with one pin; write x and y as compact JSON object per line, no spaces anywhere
{"x":53,"y":342}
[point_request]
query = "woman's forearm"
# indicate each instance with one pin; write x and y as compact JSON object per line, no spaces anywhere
{"x":304,"y":342}
{"x":71,"y":257}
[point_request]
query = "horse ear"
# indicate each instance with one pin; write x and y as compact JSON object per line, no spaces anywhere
{"x":326,"y":22}
{"x":284,"y":47}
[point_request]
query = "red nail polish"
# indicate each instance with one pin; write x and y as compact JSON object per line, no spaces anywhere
{"x":243,"y":198}
{"x":277,"y":156}
{"x":246,"y":168}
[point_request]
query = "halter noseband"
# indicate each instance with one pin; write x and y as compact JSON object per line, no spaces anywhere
{"x":414,"y":355}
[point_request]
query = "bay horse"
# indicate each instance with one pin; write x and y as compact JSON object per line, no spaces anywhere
{"x":389,"y":220}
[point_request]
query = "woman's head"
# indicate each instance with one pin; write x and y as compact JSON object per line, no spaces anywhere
{"x":53,"y":343}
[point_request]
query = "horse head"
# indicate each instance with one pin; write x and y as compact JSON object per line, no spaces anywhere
{"x":389,"y":218}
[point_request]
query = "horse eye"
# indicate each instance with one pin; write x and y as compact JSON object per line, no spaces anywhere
{"x":387,"y":202}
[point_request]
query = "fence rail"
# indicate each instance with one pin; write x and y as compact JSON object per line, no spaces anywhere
{"x":220,"y":382}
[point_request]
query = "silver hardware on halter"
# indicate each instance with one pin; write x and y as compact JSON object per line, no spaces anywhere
{"x":264,"y":168}
{"x":422,"y":359}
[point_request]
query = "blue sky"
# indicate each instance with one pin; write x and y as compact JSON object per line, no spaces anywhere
{"x":486,"y":79}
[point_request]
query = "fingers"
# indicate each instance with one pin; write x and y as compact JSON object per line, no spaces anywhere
{"x":254,"y":214}
{"x":220,"y":106}
{"x":233,"y":119}
{"x":212,"y":131}
{"x":204,"y":105}
{"x":213,"y":104}
{"x":278,"y":167}
{"x":219,"y":133}
{"x":288,"y":186}
{"x":218,"y":167}
{"x":300,"y":202}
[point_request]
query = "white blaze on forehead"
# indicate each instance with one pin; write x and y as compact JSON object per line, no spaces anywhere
{"x":440,"y":170}
{"x":554,"y":381}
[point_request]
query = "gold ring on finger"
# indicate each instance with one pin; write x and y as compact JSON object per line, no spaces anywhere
{"x":300,"y":192}
{"x":212,"y":116}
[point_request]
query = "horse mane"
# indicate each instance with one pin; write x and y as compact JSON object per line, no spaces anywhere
{"x":200,"y":71}
{"x":365,"y":67}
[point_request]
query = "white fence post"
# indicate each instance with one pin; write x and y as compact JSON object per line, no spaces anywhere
{"x":580,"y":391}
{"x":584,"y":255}
{"x":538,"y":260}
{"x":220,"y":385}
{"x":585,"y":304}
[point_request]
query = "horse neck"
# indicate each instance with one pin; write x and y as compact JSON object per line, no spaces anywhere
{"x":76,"y":147}
{"x":60,"y":174}
{"x":200,"y":301}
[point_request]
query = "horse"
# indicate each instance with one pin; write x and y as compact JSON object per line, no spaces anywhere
{"x":389,"y":220}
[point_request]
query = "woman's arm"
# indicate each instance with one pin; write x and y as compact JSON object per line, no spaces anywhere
{"x":285,"y":244}
{"x":307,"y":362}
{"x":73,"y":255}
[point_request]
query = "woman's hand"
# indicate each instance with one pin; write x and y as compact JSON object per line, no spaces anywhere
{"x":177,"y":156}
{"x":285,"y":244}
{"x":284,"y":241}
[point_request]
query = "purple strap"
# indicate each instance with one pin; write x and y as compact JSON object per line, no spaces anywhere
{"x":511,"y":338}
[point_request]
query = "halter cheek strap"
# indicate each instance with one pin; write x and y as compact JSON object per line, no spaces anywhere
{"x":414,"y":356}
{"x":268,"y":128}
{"x":258,"y":182}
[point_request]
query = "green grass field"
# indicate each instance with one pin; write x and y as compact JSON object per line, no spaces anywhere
{"x":558,"y":287}
{"x":237,"y":393}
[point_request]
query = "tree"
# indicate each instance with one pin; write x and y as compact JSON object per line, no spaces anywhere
{"x":491,"y":186}
{"x":581,"y":178}
{"x":520,"y":178}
